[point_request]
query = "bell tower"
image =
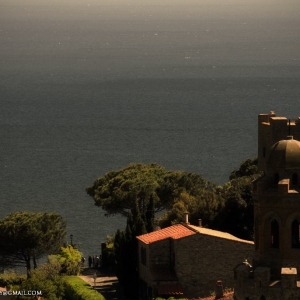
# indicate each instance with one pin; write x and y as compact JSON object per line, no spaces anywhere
{"x":275,"y":274}
{"x":276,"y":198}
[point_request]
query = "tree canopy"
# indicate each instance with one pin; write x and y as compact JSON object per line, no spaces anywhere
{"x":119,"y":191}
{"x":27,"y":236}
{"x":237,"y":215}
{"x":138,"y":187}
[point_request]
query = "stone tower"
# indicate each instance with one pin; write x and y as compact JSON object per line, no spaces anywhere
{"x":276,"y":197}
{"x":277,"y":208}
{"x":272,"y":129}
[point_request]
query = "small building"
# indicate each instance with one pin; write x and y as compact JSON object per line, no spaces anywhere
{"x":187,"y":260}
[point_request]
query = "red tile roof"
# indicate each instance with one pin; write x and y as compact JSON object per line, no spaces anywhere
{"x":169,"y":289}
{"x":175,"y":232}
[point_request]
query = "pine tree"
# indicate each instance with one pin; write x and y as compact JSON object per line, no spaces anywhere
{"x":126,"y":252}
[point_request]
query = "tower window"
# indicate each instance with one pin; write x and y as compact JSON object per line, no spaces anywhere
{"x":274,"y":234}
{"x":295,"y":234}
{"x":295,"y":179}
{"x":276,"y":178}
{"x":264,"y":151}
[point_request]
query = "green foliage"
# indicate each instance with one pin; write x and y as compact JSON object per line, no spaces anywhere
{"x":228,"y":208}
{"x":78,"y":289}
{"x":26,"y":236}
{"x":10,"y":278}
{"x":237,"y":215}
{"x":47,"y":280}
{"x":117,"y":191}
{"x":206,"y":206}
{"x":108,"y":257}
{"x":144,"y":185}
{"x":69,"y":259}
{"x":149,"y":216}
{"x":248,"y":168}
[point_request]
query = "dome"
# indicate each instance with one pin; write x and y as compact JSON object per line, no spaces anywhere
{"x":285,"y":154}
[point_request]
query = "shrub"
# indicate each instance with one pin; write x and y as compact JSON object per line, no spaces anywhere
{"x":78,"y":289}
{"x":47,"y":280}
{"x":69,"y":258}
{"x":108,"y":258}
{"x":11,"y":279}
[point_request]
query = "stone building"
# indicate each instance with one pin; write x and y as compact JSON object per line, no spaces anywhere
{"x":187,"y":260}
{"x":276,"y":264}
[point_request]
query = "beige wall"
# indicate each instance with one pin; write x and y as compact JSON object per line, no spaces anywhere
{"x":201,"y":260}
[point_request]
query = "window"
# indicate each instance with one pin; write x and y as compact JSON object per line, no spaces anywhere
{"x":264,"y":151}
{"x":295,"y":234}
{"x":274,"y":234}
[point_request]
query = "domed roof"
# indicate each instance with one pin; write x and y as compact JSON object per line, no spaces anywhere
{"x":285,"y":154}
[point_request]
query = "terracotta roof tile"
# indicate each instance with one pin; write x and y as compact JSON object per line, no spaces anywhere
{"x":169,"y":289}
{"x":175,"y":232}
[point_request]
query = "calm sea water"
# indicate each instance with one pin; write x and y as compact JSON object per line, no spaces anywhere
{"x":87,"y":87}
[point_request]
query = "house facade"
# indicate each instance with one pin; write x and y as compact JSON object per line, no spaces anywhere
{"x":186,"y":260}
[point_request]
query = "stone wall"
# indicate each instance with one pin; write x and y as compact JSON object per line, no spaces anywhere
{"x":201,"y":260}
{"x":144,"y":269}
{"x":157,"y":255}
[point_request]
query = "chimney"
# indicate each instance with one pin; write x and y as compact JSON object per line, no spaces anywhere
{"x":272,"y":113}
{"x":219,"y":289}
{"x":186,"y":217}
{"x":200,"y":222}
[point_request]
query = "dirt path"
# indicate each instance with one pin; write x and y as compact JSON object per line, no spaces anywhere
{"x":106,"y":283}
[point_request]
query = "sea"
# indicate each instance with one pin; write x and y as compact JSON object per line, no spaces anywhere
{"x":90,"y":86}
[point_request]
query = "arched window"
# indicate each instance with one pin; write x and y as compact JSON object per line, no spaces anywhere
{"x":276,"y":178}
{"x":295,"y":179}
{"x":295,"y":234}
{"x":274,"y":234}
{"x":262,"y":297}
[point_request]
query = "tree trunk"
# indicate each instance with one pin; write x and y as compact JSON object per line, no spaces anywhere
{"x":28,"y":267}
{"x":34,"y":262}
